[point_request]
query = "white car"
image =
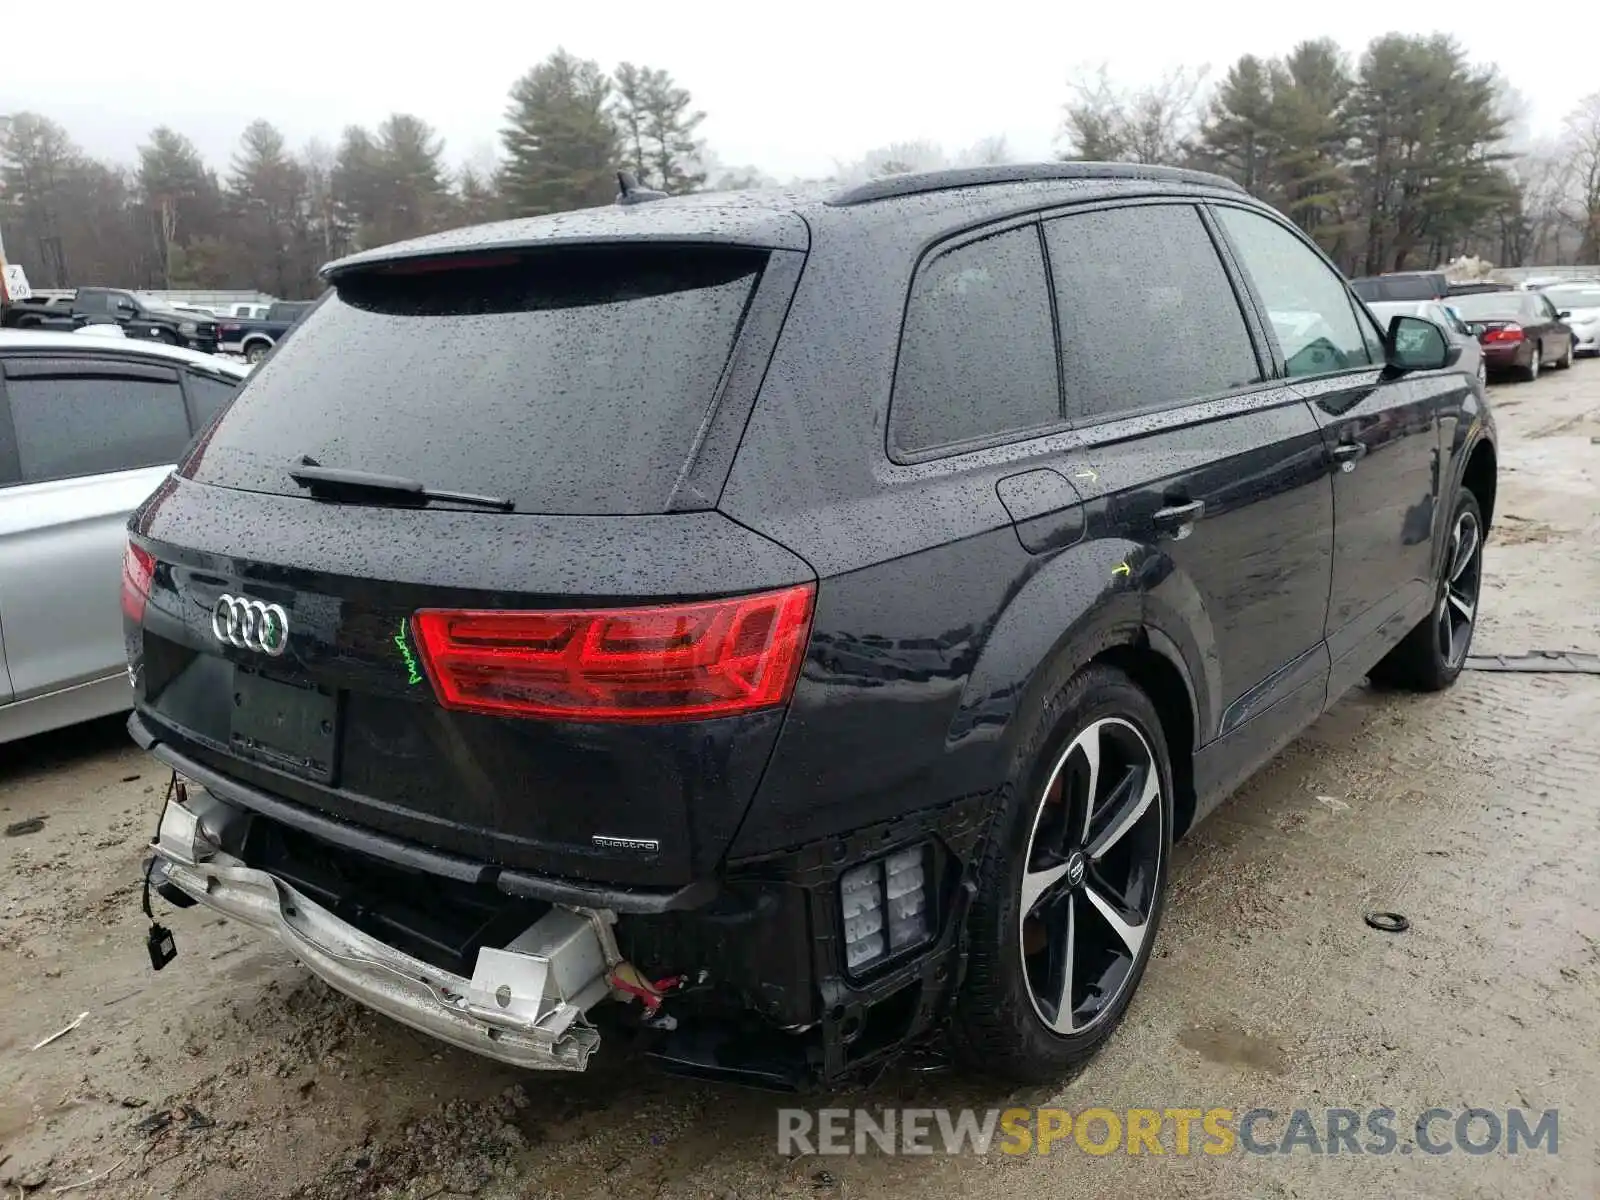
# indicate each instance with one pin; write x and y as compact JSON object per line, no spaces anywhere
{"x":89,"y":427}
{"x":1579,"y":302}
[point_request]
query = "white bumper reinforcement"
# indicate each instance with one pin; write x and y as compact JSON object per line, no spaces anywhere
{"x":524,"y":1005}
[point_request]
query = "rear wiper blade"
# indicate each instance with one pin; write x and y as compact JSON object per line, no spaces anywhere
{"x":312,"y":475}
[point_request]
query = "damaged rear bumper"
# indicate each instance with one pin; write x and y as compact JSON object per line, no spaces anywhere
{"x":524,"y":1005}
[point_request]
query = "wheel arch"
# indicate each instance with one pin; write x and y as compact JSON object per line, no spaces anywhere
{"x":1073,"y":614}
{"x":1480,"y":476}
{"x":1160,"y":675}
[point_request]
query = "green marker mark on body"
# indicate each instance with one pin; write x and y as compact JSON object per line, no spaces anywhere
{"x":405,"y":653}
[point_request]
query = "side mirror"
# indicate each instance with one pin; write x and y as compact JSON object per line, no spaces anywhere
{"x":125,"y":308}
{"x":1416,"y":344}
{"x":1563,"y":314}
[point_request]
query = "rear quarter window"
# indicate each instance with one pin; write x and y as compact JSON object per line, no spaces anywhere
{"x":208,"y":395}
{"x":572,"y":380}
{"x":977,"y":353}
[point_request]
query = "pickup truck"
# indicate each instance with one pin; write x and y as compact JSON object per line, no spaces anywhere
{"x":254,"y":338}
{"x":107,"y":306}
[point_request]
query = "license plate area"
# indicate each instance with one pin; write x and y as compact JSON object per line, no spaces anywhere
{"x":294,"y":727}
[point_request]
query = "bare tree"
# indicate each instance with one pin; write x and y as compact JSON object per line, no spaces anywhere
{"x":986,"y":152}
{"x":897,"y":158}
{"x":1154,"y":124}
{"x":1583,"y":145}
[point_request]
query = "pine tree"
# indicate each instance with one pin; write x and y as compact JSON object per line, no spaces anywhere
{"x":562,"y":147}
{"x":628,"y":111}
{"x":477,"y":200}
{"x":268,"y":192}
{"x":656,"y":123}
{"x":357,"y":189}
{"x":180,"y":199}
{"x":1237,"y":136}
{"x":37,"y":163}
{"x":412,"y":176}
{"x":1427,"y":161}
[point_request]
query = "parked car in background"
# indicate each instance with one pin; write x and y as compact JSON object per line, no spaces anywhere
{"x":1473,"y":286}
{"x":36,"y":310}
{"x":247,"y":312}
{"x":1580,"y":301}
{"x":139,"y":317}
{"x":1520,"y":331}
{"x":594,"y":607}
{"x":1442,"y":315}
{"x":1401,"y":285}
{"x":88,"y":429}
{"x":253,"y":338}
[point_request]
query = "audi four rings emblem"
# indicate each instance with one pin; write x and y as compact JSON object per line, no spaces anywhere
{"x":250,"y":624}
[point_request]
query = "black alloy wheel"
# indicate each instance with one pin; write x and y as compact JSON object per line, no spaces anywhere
{"x":1458,"y":600}
{"x":1093,"y":867}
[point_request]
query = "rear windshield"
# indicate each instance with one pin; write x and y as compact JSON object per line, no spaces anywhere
{"x":1574,"y":297}
{"x":1490,"y":306}
{"x":1398,"y":287}
{"x":566,"y":381}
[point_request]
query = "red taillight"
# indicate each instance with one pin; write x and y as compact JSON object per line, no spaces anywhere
{"x":665,"y":663}
{"x":137,"y":568}
{"x":1504,"y":335}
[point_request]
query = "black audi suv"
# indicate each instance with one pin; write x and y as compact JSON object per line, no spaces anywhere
{"x":771,"y":628}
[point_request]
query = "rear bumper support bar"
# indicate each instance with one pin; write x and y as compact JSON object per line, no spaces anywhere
{"x":524,"y":1005}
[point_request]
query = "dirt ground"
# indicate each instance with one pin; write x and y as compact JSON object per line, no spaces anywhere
{"x":1477,"y":813}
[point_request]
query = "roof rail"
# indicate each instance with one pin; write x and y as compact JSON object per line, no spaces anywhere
{"x":917,"y":183}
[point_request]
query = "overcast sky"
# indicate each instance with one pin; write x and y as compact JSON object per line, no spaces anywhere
{"x":790,"y":88}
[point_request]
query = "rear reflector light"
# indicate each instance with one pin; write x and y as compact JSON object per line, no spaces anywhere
{"x":884,"y":906}
{"x":1503,"y":335}
{"x":137,"y":568}
{"x":664,"y":663}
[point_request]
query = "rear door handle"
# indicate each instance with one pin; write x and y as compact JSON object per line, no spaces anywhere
{"x":1347,"y":453}
{"x":1177,"y":518}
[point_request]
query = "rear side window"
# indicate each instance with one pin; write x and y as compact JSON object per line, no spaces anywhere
{"x":68,"y":427}
{"x":208,"y":395}
{"x":1306,"y":300}
{"x":572,"y":380}
{"x":977,"y":356}
{"x":1147,"y":315}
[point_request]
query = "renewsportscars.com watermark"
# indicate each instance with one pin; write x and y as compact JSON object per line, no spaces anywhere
{"x":1177,"y":1131}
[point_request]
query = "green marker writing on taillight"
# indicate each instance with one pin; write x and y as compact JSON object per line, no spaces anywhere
{"x":405,"y":653}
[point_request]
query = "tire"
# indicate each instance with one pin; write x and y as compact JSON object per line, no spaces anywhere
{"x":1565,"y":362}
{"x":168,"y":337}
{"x":255,"y":352}
{"x":1531,"y":371}
{"x":1001,"y":1025}
{"x":1430,"y":659}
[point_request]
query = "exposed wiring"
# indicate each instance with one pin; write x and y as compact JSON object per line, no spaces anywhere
{"x":629,"y":980}
{"x":150,"y":863}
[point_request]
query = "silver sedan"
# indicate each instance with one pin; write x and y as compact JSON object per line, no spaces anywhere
{"x":88,"y":428}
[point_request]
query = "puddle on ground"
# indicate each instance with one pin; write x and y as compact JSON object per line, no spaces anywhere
{"x":1234,"y":1047}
